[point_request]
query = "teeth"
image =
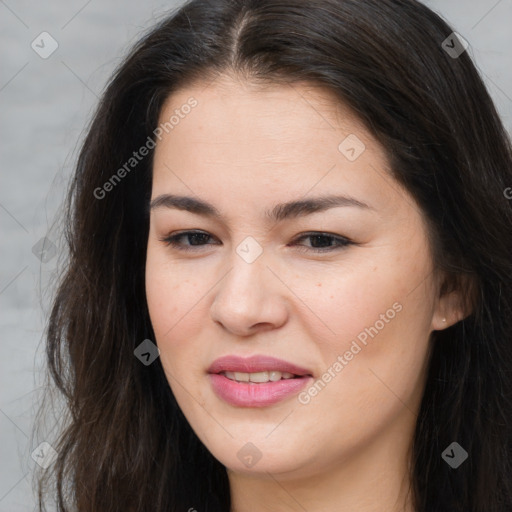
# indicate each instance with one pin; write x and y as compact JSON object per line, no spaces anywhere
{"x":259,"y":377}
{"x":274,"y":376}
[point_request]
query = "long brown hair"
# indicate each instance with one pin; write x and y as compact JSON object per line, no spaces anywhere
{"x":125,"y":444}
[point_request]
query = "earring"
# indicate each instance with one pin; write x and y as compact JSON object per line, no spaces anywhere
{"x":444,"y":319}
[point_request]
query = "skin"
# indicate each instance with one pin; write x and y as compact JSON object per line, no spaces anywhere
{"x":244,"y":149}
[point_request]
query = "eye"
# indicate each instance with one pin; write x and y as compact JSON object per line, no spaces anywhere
{"x":196,"y":237}
{"x":321,"y":242}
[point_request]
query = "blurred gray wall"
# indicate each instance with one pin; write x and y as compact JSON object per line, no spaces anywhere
{"x":45,"y":101}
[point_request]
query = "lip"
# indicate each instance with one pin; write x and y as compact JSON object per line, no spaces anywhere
{"x":253,"y":364}
{"x":245,"y":394}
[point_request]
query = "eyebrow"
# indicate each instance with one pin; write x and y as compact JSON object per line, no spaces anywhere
{"x":279,"y":212}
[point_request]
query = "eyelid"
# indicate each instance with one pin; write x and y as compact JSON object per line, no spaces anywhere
{"x":342,"y":241}
{"x":170,"y":238}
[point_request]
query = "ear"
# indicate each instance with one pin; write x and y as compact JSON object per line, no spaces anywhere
{"x":455,"y":301}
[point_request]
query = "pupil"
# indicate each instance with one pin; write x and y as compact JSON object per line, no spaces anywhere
{"x":193,"y":236}
{"x":320,"y":237}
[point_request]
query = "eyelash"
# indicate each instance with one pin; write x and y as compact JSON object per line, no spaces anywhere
{"x":342,"y":242}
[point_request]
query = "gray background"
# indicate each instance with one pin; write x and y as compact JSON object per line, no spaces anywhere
{"x":45,"y":105}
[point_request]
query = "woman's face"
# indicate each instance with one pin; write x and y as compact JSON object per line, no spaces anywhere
{"x":343,"y":294}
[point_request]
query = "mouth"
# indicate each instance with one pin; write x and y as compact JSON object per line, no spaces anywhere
{"x":259,"y":377}
{"x":259,"y":366}
{"x":257,"y":381}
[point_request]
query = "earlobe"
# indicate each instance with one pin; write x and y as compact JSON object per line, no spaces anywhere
{"x":440,"y":323}
{"x":450,"y":309}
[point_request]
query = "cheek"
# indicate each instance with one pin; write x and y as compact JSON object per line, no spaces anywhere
{"x":177,"y":299}
{"x":382,"y":299}
{"x":171,"y":294}
{"x":349,"y":305}
{"x":173,"y":307}
{"x":378,"y":324}
{"x":376,"y":361}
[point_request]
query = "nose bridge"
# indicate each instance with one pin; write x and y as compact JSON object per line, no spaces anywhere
{"x":248,"y":271}
{"x":248,"y":294}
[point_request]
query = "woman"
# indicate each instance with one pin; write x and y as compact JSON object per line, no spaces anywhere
{"x":289,"y":284}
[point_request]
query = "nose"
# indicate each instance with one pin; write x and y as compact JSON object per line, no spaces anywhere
{"x":249,"y":298}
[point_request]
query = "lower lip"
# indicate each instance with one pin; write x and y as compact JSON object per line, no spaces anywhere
{"x":243,"y":394}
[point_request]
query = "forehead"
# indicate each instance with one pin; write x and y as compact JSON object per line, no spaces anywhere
{"x":283,"y":139}
{"x":291,"y":112}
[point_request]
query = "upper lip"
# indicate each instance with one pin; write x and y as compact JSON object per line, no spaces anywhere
{"x":254,"y":364}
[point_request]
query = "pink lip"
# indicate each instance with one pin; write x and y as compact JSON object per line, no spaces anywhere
{"x":244,"y":394}
{"x":255,"y":364}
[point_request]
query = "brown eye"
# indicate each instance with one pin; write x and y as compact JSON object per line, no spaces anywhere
{"x":195,"y":239}
{"x":320,"y":242}
{"x":323,"y":242}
